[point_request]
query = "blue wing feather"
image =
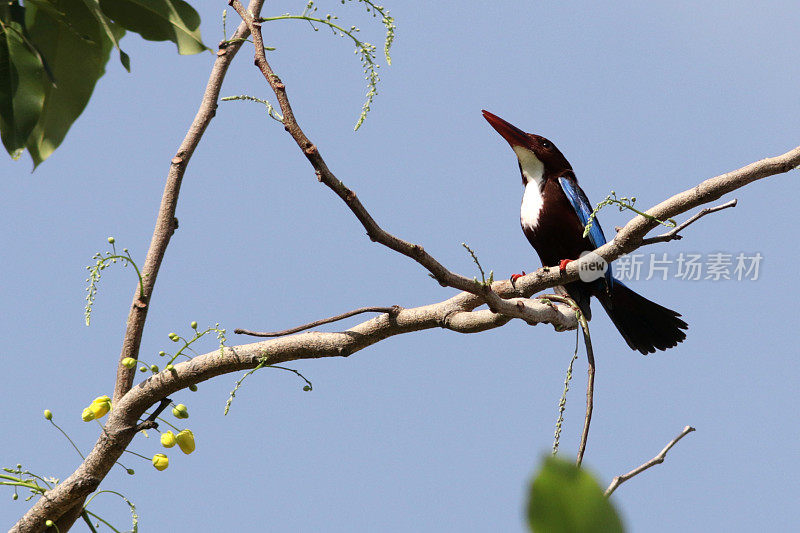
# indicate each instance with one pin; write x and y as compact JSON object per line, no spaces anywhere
{"x":583,"y":209}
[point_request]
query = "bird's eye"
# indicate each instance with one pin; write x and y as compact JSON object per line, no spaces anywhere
{"x":546,"y":144}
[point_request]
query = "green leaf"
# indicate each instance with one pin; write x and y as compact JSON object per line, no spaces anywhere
{"x":22,"y":80}
{"x":159,"y":20}
{"x":45,"y":6}
{"x":567,"y":499}
{"x":77,"y":49}
{"x":94,"y":8}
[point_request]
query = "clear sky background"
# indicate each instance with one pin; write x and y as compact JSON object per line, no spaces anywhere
{"x":432,"y":431}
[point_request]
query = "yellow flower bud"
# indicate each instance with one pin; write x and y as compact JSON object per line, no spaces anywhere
{"x":168,"y":439}
{"x":180,"y":411}
{"x":100,"y":408}
{"x":185,"y":441}
{"x":160,"y":461}
{"x":129,"y":362}
{"x":48,"y":414}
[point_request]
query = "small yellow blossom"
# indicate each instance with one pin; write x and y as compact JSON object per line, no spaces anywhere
{"x":180,"y":411}
{"x":185,"y":441}
{"x":160,"y":461}
{"x":98,"y":409}
{"x":168,"y":439}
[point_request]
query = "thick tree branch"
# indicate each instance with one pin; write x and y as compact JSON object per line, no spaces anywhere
{"x":628,"y":239}
{"x":457,"y":314}
{"x":166,"y":223}
{"x":631,"y":236}
{"x":658,"y":459}
{"x":445,"y":277}
{"x":63,"y":504}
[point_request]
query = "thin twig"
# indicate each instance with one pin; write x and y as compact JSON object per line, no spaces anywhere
{"x":658,"y":459}
{"x":391,"y":310}
{"x":377,"y":234}
{"x":673,"y":234}
{"x":150,"y":421}
{"x":589,"y":389}
{"x":587,"y":339}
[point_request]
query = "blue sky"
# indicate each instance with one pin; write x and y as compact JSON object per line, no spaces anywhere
{"x":433,"y":431}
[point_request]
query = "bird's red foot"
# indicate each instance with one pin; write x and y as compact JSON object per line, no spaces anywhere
{"x":515,"y":277}
{"x":562,"y":266}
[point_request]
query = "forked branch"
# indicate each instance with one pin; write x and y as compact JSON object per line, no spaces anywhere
{"x":674,"y":234}
{"x":657,"y":460}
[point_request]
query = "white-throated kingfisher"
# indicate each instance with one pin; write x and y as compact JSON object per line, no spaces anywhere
{"x":554,"y":212}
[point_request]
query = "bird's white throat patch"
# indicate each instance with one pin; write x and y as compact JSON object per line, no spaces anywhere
{"x":532,"y":168}
{"x":533,"y":173}
{"x":531,"y":206}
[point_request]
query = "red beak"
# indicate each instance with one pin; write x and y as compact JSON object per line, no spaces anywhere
{"x":509,"y":132}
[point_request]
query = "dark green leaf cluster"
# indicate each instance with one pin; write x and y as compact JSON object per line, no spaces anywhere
{"x":52,"y":52}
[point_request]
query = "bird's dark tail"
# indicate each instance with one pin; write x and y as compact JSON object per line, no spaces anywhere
{"x":645,"y":325}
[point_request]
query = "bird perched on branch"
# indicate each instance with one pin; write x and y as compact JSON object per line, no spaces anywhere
{"x":554,"y":213}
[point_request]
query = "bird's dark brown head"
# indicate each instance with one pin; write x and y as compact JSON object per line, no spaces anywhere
{"x":531,"y":149}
